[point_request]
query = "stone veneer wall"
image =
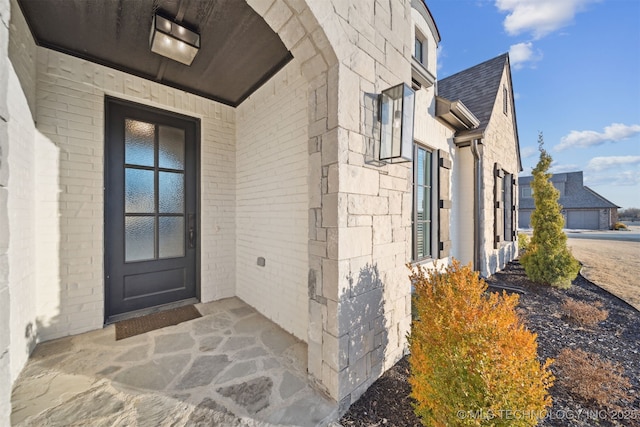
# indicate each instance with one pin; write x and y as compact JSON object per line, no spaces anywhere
{"x":359,"y":215}
{"x":499,"y":146}
{"x":5,"y":295}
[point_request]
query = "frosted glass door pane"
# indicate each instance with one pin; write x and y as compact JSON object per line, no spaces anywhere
{"x":171,"y":141}
{"x":171,"y":237}
{"x":171,"y":189}
{"x":139,"y":143}
{"x":138,"y":191}
{"x":139,"y":238}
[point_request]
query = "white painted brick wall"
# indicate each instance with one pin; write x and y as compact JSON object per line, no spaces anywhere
{"x":70,"y":105}
{"x":272,"y":200}
{"x":20,"y":206}
{"x":22,"y":51}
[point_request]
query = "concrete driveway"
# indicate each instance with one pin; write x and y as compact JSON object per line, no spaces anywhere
{"x":633,"y":235}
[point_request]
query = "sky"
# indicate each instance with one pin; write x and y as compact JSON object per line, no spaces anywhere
{"x":575,"y":66}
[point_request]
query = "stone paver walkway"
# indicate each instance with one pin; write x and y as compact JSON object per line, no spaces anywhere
{"x":232,"y":367}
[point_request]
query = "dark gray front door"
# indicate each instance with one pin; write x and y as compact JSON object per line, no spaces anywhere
{"x":151,"y":233}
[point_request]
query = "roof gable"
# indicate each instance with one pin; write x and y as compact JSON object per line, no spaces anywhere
{"x":576,"y":194}
{"x":477,"y":87}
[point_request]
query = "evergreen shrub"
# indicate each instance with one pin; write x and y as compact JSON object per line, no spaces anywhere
{"x":523,"y":243}
{"x":472,"y":360}
{"x":548,"y":260}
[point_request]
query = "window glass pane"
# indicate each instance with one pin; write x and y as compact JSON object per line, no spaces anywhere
{"x":427,"y":168}
{"x":171,"y":234}
{"x":139,"y":191}
{"x":426,"y":248}
{"x":423,"y":203}
{"x":421,"y":166}
{"x":420,"y":204}
{"x":171,"y":145}
{"x":423,"y":239}
{"x":419,"y":240}
{"x":427,"y":202}
{"x":171,"y":189}
{"x":138,"y":143}
{"x":139,"y":238}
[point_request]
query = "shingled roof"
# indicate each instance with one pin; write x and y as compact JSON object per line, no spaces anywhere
{"x":477,"y":87}
{"x":576,"y":195}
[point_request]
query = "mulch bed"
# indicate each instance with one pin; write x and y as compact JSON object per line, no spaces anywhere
{"x":616,"y":339}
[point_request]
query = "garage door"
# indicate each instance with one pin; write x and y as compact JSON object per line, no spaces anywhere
{"x":524,"y":219}
{"x":586,"y":220}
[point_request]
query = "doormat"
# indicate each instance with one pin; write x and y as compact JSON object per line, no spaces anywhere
{"x":140,"y":325}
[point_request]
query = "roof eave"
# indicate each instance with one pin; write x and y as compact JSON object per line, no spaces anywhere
{"x":455,"y":114}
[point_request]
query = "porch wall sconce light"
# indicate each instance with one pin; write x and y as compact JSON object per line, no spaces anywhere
{"x":173,"y":41}
{"x":396,"y":113}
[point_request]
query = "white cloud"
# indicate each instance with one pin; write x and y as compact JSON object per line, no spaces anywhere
{"x":527,"y":152}
{"x":522,"y":53}
{"x":625,"y":178}
{"x":559,"y":168}
{"x":610,"y":162}
{"x":440,"y":55}
{"x":587,"y":138}
{"x":539,"y":17}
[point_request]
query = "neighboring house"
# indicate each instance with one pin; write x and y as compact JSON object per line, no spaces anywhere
{"x":130,"y":181}
{"x":582,"y":208}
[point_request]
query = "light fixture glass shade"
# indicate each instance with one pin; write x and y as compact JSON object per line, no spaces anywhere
{"x":396,"y":114}
{"x":173,"y":41}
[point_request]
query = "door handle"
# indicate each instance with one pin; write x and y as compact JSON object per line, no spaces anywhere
{"x":192,"y":231}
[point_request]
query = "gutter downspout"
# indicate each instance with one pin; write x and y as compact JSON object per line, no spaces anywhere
{"x":478,"y":215}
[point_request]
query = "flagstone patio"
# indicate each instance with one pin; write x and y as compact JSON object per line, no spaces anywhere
{"x":231,"y":367}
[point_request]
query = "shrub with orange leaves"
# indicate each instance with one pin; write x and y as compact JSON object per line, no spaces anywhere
{"x":473,"y":362}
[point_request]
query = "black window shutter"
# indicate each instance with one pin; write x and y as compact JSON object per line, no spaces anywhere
{"x":498,"y":214}
{"x":514,"y":208}
{"x":444,"y":204}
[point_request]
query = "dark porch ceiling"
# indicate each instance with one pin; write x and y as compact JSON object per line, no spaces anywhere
{"x":239,"y":51}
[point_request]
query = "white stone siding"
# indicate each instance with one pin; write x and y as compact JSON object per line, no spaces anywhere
{"x":363,"y":297}
{"x":70,"y":108}
{"x":20,"y":205}
{"x":5,"y":295}
{"x":499,"y":146}
{"x":350,"y":222}
{"x":5,"y":286}
{"x":272,"y":200}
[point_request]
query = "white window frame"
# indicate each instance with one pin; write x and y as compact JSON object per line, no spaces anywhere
{"x":419,"y":38}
